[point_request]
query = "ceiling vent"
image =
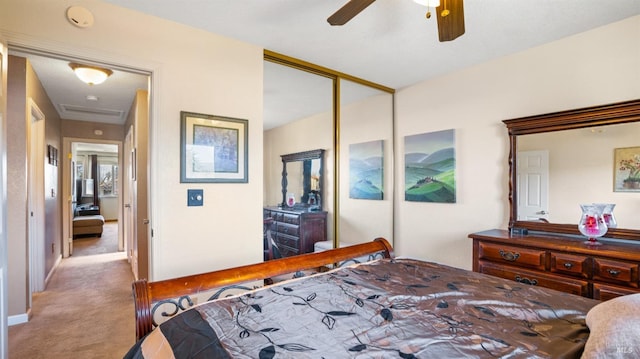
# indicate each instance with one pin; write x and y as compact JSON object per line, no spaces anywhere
{"x":73,"y":112}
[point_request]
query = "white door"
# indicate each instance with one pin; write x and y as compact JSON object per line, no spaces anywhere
{"x":35,"y":195}
{"x":129,"y":201}
{"x":532,"y":171}
{"x":3,"y":203}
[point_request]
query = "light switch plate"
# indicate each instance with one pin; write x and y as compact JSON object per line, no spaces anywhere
{"x":194,"y":197}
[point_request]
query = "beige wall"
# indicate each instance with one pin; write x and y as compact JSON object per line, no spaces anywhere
{"x":17,"y":283}
{"x":595,"y":67}
{"x":85,"y":129}
{"x":25,"y":85}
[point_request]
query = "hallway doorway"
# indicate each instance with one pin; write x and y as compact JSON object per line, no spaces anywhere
{"x":94,"y":182}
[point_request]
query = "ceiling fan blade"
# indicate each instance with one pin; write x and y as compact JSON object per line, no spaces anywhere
{"x":451,"y":25}
{"x":348,"y":11}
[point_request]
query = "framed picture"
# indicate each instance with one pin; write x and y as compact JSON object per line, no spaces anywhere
{"x":213,"y":149}
{"x":430,"y":167}
{"x":626,"y":169}
{"x":366,"y":162}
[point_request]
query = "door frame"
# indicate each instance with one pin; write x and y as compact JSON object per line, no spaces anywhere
{"x":67,"y":208}
{"x":91,"y":56}
{"x":4,"y":329}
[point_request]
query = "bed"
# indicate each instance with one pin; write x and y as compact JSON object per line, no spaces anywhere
{"x":383,"y":308}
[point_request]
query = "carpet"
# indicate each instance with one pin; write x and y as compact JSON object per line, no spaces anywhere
{"x":90,"y":245}
{"x":86,"y":310}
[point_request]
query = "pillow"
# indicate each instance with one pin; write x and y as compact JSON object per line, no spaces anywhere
{"x":615,"y":329}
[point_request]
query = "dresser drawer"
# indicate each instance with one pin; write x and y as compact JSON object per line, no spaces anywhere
{"x":575,"y":265}
{"x":624,"y":273}
{"x":287,"y":240}
{"x":277,"y":216}
{"x":286,"y":251}
{"x":522,"y":257}
{"x":289,"y":229}
{"x":605,"y":292}
{"x":291,"y":218}
{"x":523,"y":276}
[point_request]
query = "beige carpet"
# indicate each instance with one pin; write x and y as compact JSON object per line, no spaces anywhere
{"x":108,"y":243}
{"x":86,"y":310}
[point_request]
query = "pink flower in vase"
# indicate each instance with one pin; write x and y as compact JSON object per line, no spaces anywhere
{"x":591,"y":225}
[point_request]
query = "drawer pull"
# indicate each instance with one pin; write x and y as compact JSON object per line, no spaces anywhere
{"x":613,"y":272}
{"x":509,"y":256}
{"x":568,"y":265}
{"x":519,"y":279}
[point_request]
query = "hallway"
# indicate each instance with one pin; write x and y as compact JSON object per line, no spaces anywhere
{"x":86,"y":310}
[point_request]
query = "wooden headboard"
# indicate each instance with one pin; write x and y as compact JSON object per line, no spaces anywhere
{"x":147,"y":294}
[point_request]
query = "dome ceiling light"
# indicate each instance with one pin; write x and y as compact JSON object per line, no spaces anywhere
{"x":91,"y":75}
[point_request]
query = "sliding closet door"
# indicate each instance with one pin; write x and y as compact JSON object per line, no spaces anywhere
{"x":366,"y":164}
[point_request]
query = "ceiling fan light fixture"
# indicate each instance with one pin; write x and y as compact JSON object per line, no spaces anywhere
{"x":91,"y":75}
{"x":428,"y":3}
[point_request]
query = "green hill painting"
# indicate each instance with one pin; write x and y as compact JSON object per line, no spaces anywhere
{"x":430,"y":167}
{"x":366,"y":162}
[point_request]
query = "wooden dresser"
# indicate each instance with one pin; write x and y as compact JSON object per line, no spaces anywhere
{"x":559,"y":262}
{"x":296,"y":231}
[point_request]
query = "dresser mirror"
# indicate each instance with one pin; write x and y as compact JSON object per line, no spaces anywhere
{"x":303,"y":178}
{"x":579,"y":145}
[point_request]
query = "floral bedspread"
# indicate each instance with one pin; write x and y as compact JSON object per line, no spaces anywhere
{"x":397,"y":308}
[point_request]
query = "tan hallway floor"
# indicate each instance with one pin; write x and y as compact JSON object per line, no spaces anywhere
{"x":86,"y":310}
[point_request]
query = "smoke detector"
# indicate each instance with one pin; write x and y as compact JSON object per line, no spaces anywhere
{"x":79,"y":16}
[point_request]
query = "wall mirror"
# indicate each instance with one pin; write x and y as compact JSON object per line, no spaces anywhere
{"x":311,"y":117}
{"x":580,"y":146}
{"x":303,"y":178}
{"x":366,"y":163}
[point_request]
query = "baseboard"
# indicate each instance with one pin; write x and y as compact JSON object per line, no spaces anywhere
{"x":55,"y":266}
{"x":18,"y":319}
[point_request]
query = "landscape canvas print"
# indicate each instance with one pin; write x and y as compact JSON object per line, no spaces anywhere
{"x":365,"y":170}
{"x":430,"y":164}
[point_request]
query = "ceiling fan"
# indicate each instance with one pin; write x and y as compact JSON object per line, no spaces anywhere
{"x":450,"y":15}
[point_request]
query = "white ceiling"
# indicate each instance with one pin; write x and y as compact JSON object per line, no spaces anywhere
{"x":390,"y":43}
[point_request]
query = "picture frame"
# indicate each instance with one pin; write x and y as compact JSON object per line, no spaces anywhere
{"x":213,"y":149}
{"x":626,"y":169}
{"x":366,"y":169}
{"x":430,"y":167}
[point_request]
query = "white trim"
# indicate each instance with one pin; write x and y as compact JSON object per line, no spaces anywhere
{"x":55,"y":266}
{"x":17,"y":319}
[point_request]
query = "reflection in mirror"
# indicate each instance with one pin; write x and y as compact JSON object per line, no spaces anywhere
{"x":585,"y":169}
{"x":580,"y":170}
{"x":366,"y":159}
{"x":303,"y":180}
{"x":298,"y":117}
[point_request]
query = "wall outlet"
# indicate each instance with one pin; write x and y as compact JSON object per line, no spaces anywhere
{"x":194,"y":197}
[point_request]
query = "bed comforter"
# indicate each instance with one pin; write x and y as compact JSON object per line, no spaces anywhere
{"x":389,"y":308}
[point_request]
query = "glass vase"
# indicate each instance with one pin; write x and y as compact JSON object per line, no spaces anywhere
{"x":608,"y":216}
{"x":291,"y":199}
{"x":592,"y":224}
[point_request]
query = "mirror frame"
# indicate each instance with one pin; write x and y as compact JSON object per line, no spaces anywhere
{"x":303,"y":156}
{"x":615,"y":113}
